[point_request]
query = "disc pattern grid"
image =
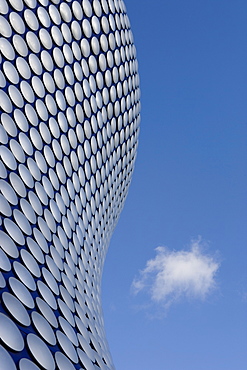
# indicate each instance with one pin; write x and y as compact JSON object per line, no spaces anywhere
{"x":69,"y":129}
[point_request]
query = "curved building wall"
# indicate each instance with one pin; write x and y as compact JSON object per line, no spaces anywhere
{"x":69,"y":123}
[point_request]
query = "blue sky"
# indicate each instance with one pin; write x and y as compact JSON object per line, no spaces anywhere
{"x":190,"y":180}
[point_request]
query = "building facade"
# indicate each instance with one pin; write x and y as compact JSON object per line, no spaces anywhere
{"x":69,"y":124}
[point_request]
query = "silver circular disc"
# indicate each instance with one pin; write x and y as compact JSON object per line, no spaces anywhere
{"x":40,"y":352}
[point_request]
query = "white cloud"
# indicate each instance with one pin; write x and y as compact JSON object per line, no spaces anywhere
{"x":172,"y":275}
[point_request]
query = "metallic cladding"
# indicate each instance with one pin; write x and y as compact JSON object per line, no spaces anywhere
{"x":69,"y":128}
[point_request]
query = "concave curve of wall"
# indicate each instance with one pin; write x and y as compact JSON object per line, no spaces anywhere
{"x":69,"y":125}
